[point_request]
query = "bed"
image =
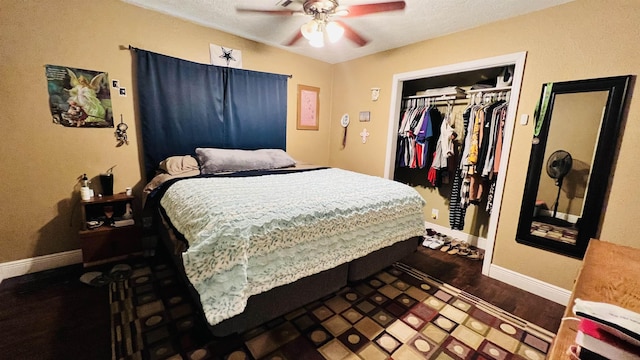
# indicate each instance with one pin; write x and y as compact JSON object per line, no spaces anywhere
{"x":247,"y":275}
{"x":255,"y":243}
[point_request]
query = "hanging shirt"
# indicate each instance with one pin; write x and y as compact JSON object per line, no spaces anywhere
{"x":444,"y":146}
{"x":424,"y":132}
{"x":486,"y":141}
{"x":476,"y":139}
{"x":469,"y":117}
{"x":495,"y":141}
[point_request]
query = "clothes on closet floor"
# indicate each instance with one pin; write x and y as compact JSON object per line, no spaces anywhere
{"x":418,"y":133}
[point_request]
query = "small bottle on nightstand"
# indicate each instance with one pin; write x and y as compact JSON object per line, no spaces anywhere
{"x":85,"y":192}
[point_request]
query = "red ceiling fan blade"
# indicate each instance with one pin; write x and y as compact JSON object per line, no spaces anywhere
{"x":352,"y":35}
{"x":270,"y":12}
{"x":294,"y":39}
{"x":365,"y":9}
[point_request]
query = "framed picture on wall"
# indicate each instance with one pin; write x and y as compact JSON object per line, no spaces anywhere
{"x":308,"y":107}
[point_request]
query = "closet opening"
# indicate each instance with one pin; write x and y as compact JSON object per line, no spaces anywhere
{"x":444,"y":93}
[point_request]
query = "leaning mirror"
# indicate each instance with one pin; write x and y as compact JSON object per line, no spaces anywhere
{"x":577,"y":125}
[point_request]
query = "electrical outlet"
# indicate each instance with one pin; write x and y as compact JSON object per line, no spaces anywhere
{"x":434,"y":214}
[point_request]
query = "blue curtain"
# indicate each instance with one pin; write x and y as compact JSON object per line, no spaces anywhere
{"x":184,"y":105}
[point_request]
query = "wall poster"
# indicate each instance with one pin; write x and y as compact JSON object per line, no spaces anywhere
{"x":79,"y":98}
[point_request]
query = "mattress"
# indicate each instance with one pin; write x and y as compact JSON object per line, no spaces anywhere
{"x":247,"y":235}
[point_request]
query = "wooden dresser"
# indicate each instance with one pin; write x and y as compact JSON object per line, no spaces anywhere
{"x":610,"y":273}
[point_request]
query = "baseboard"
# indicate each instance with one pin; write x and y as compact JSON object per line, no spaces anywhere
{"x":26,"y":266}
{"x":476,"y":241}
{"x":534,"y":286}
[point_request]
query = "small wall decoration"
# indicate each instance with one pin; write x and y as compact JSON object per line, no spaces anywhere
{"x":364,"y":134}
{"x":344,"y":121}
{"x":308,"y":107}
{"x":223,"y":56}
{"x":79,"y":98}
{"x":365,"y":115}
{"x":121,"y":133}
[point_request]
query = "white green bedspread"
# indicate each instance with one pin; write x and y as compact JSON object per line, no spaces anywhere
{"x":250,"y":234}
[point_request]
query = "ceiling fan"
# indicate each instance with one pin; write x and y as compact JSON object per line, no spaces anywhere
{"x":322,"y":27}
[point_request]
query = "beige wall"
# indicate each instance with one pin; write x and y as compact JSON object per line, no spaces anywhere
{"x":578,"y":40}
{"x":40,"y":161}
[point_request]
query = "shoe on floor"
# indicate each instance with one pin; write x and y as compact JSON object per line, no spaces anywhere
{"x":475,"y":255}
{"x":427,"y":241}
{"x":451,"y":246}
{"x":120,"y":272}
{"x":95,"y":278}
{"x":437,"y":243}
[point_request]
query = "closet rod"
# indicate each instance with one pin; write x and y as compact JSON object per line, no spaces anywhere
{"x":494,"y":89}
{"x":433,"y":97}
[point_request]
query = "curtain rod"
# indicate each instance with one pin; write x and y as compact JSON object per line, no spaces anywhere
{"x":122,"y":47}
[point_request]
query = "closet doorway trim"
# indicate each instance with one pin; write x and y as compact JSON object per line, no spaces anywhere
{"x":517,"y":59}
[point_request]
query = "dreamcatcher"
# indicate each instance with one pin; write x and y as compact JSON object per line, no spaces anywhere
{"x":121,"y":133}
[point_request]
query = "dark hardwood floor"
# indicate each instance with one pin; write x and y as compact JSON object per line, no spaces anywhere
{"x":466,"y":275}
{"x":52,"y":315}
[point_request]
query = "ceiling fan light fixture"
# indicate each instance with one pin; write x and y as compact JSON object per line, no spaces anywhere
{"x":311,"y":30}
{"x":317,"y":31}
{"x":317,"y":43}
{"x":314,"y":32}
{"x":334,"y":31}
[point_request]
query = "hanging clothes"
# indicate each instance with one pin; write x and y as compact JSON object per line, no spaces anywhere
{"x":406,"y":135}
{"x":444,"y":150}
{"x":491,"y":168}
{"x":483,"y":139}
{"x":417,"y":134}
{"x":426,"y":140}
{"x":444,"y":145}
{"x":456,"y":211}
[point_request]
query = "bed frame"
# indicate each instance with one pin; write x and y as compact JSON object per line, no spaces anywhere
{"x":283,"y":299}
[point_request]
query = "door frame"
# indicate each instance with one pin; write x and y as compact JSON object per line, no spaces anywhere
{"x":516,"y":59}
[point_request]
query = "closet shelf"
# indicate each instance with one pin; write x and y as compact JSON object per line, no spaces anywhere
{"x":457,"y":95}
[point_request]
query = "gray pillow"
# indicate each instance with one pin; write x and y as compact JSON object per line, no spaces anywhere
{"x":213,"y":160}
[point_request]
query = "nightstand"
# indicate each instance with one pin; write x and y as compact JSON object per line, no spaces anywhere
{"x":104,"y":241}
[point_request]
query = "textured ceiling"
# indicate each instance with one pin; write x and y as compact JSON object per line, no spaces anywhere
{"x":421,"y":20}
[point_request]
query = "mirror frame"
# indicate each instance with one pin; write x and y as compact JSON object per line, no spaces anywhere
{"x":600,"y":169}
